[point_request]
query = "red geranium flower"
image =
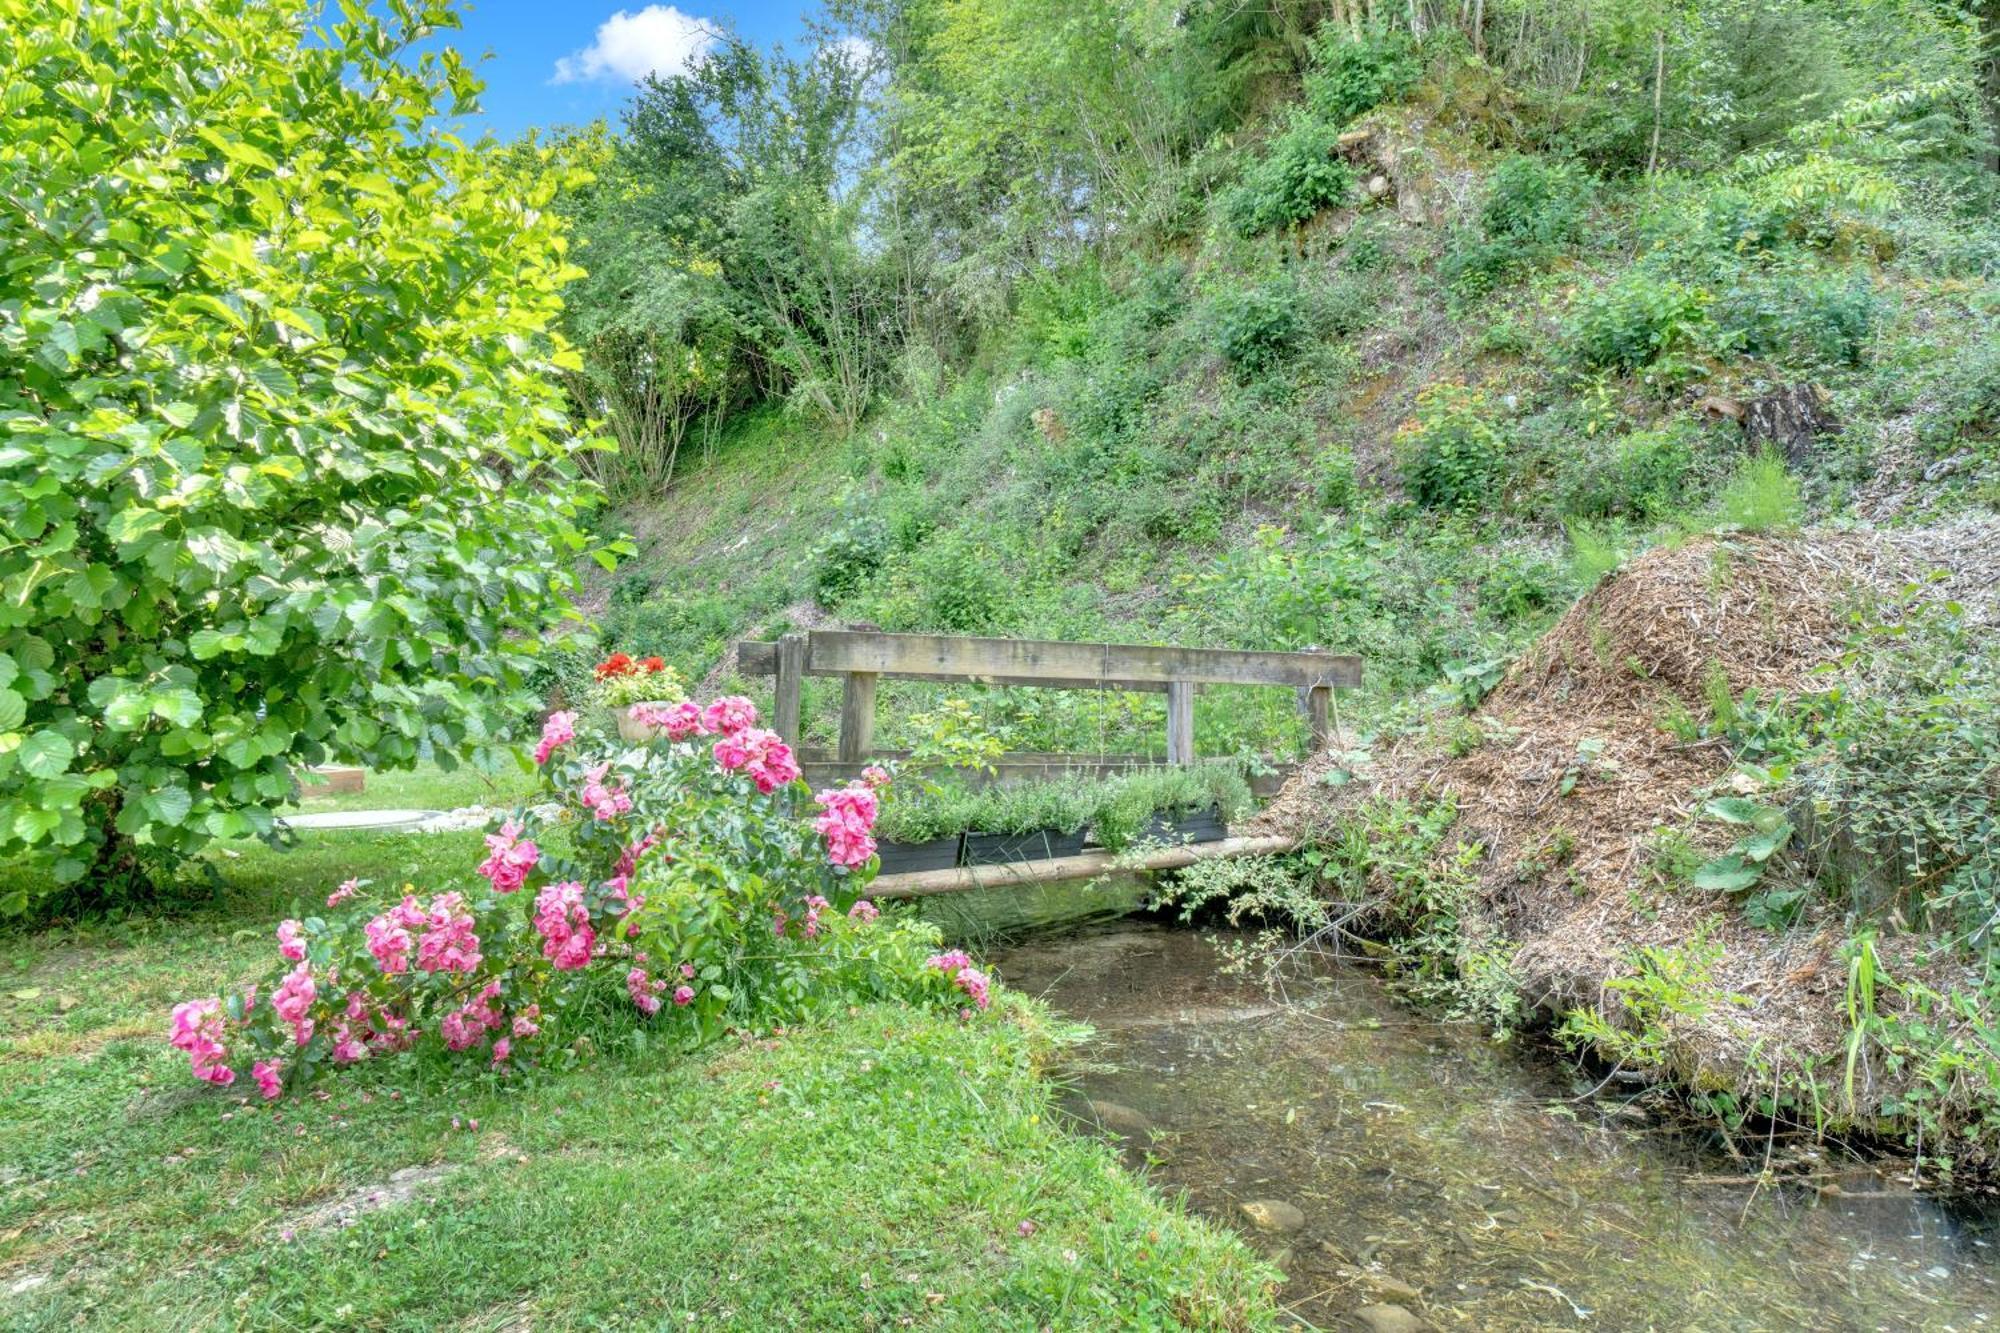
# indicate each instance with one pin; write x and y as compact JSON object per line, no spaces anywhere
{"x":653,"y":664}
{"x":618,"y":664}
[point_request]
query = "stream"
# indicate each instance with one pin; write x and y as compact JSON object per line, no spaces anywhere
{"x":1406,"y":1173}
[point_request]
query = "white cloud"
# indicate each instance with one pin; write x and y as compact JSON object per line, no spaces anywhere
{"x":658,"y":39}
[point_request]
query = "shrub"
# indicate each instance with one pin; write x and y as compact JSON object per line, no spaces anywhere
{"x":1646,"y":475}
{"x":849,"y":558}
{"x":1351,"y":76}
{"x":1828,"y":319}
{"x":285,"y":475}
{"x":1763,"y":496}
{"x":1640,"y":322}
{"x":700,"y":880}
{"x":1535,"y":201}
{"x":1451,"y":453}
{"x":1257,"y":328}
{"x":1297,"y":176}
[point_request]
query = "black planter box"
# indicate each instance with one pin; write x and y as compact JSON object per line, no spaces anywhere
{"x":1201,"y":826}
{"x":999,"y":849}
{"x":936,"y":854}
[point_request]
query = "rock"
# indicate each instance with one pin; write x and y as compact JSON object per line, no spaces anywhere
{"x":1274,"y":1215}
{"x":1120,"y":1119}
{"x":1377,"y":186}
{"x":1389,"y":1319}
{"x":1389,"y":1288}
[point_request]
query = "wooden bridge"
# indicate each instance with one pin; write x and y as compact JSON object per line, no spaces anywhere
{"x":861,"y":659}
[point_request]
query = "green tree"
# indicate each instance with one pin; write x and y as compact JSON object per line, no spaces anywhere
{"x":284,"y":474}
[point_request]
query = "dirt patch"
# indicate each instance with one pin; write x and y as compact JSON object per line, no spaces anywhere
{"x":1569,"y":775}
{"x":401,"y":1187}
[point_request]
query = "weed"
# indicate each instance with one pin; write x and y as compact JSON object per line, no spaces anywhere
{"x":1763,"y":496}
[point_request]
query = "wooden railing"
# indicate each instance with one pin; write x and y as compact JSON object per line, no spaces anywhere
{"x":862,"y":658}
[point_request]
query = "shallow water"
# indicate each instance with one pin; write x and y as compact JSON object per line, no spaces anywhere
{"x":1460,"y":1179}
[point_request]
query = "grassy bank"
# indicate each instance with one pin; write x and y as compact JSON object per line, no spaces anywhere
{"x":874,"y":1172}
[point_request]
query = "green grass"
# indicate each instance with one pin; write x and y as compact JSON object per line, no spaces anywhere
{"x":429,"y":787}
{"x":873,"y":1172}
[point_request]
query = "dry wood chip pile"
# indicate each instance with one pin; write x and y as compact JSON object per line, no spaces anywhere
{"x":1564,"y":874}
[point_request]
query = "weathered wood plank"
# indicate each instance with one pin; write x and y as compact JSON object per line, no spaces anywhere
{"x":857,"y":716}
{"x":1180,"y":723}
{"x":758,"y":658}
{"x":919,"y":883}
{"x":944,"y":657}
{"x":1318,"y":704}
{"x":791,"y":673}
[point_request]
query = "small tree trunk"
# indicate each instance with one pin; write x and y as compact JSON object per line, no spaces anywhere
{"x":1479,"y":28}
{"x":1659,"y":92}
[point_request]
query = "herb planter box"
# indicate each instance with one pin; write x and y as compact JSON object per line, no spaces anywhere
{"x":934,"y":854}
{"x":1200,"y":826}
{"x":998,"y":849}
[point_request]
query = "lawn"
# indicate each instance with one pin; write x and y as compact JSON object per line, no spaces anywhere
{"x":873,"y":1172}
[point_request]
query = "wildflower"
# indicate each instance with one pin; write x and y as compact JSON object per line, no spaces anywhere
{"x":679,"y":721}
{"x":728,"y":716}
{"x":449,"y":944}
{"x":687,"y":970}
{"x":198,"y":1031}
{"x":291,"y":941}
{"x":294,"y":1000}
{"x":564,"y":923}
{"x":389,"y":934}
{"x":558,"y":731}
{"x":524,"y":1022}
{"x":501,"y":1050}
{"x":347,"y":889}
{"x":644,"y":991}
{"x":846,"y":822}
{"x":814,"y":903}
{"x":949,"y":962}
{"x":1027,"y":1227}
{"x":875,"y":777}
{"x":683,"y":995}
{"x":863,"y":911}
{"x":604,"y":801}
{"x":513,"y":856}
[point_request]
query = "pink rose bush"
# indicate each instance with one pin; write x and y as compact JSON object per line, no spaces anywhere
{"x":693,"y":882}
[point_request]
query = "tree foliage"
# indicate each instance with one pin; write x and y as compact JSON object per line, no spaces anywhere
{"x":283,"y":472}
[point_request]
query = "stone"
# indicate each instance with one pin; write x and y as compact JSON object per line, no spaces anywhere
{"x":1274,"y":1215}
{"x":1389,"y":1288}
{"x":1377,"y":186}
{"x":1389,"y":1319}
{"x":1121,"y":1119}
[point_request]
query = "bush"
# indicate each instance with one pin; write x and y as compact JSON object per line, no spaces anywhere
{"x":1762,"y":497}
{"x":849,"y":558}
{"x":1640,"y":322}
{"x":1535,"y":201}
{"x":1352,"y":76}
{"x":1451,"y":453}
{"x":1297,"y":176}
{"x":1828,"y":320}
{"x":1645,"y":475}
{"x":701,"y":889}
{"x":1257,"y":329}
{"x":285,"y":475}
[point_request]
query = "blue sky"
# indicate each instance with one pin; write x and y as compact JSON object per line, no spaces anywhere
{"x":555,"y":63}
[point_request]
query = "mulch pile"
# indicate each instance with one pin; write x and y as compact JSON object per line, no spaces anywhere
{"x":1588,"y":703}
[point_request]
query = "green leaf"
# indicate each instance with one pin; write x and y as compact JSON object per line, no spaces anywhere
{"x":13,"y":710}
{"x":1727,"y":874}
{"x":128,"y":711}
{"x":1758,"y":847}
{"x":171,"y":804}
{"x":46,"y":754}
{"x":180,"y":707}
{"x":33,"y":824}
{"x":1733,"y":810}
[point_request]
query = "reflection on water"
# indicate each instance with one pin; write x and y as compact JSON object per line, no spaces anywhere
{"x":1410,"y":1164}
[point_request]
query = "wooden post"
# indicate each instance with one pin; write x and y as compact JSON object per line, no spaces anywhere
{"x":1319,"y":699}
{"x":1180,"y":722}
{"x":857,"y":716}
{"x":791,"y":675}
